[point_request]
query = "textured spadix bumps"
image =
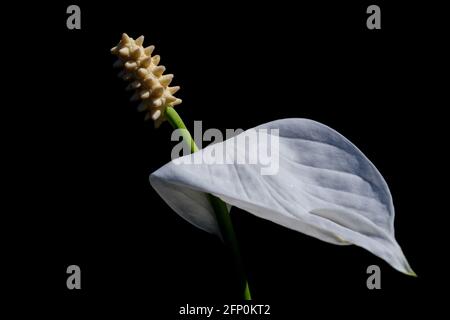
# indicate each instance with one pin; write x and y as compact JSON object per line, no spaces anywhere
{"x":146,"y":77}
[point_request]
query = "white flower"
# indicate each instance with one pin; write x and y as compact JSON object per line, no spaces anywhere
{"x":325,"y":187}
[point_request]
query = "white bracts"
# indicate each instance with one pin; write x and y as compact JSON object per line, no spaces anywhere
{"x":325,"y":187}
{"x":146,"y":77}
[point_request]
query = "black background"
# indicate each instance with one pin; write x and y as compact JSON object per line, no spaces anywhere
{"x":85,"y":198}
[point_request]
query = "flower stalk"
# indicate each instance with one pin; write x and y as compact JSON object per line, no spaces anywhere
{"x":220,"y":208}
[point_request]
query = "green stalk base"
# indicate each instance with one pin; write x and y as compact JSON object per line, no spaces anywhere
{"x":220,"y":208}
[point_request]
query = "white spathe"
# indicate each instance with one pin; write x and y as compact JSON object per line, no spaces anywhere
{"x":325,"y":187}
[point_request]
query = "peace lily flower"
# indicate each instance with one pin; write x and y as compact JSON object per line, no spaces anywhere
{"x":325,"y":186}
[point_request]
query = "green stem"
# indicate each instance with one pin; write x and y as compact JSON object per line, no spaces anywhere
{"x":177,"y":123}
{"x":220,"y":208}
{"x":229,"y":237}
